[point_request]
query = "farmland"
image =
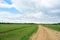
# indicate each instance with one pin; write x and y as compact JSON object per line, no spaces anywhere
{"x":17,"y":31}
{"x":53,"y":26}
{"x":25,"y":31}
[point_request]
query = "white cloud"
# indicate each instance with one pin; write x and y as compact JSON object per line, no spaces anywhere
{"x":37,"y":15}
{"x":27,"y":18}
{"x":8,"y":17}
{"x":46,"y":3}
{"x":49,"y":3}
{"x":55,"y":11}
{"x":23,"y":5}
{"x":5,"y":5}
{"x":32,"y":16}
{"x":34,"y":4}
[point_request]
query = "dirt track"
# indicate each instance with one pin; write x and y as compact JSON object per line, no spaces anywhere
{"x":44,"y":33}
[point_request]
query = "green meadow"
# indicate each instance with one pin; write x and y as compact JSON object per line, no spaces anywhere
{"x":53,"y":26}
{"x":22,"y":31}
{"x":17,"y":31}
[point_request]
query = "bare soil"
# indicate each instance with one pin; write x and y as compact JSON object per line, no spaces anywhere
{"x":44,"y":33}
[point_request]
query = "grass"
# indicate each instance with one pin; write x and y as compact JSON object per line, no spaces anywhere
{"x":54,"y":27}
{"x":17,"y":31}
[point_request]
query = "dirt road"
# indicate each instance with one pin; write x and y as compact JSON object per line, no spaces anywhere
{"x":44,"y":33}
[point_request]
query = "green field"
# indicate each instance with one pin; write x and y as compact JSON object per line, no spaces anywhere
{"x":21,"y":31}
{"x":17,"y":31}
{"x":54,"y":27}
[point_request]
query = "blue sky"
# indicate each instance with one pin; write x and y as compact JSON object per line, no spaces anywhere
{"x":30,"y":11}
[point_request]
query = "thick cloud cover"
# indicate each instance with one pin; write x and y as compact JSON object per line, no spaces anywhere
{"x":33,"y":11}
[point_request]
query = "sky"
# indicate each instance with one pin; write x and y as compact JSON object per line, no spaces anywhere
{"x":30,"y":11}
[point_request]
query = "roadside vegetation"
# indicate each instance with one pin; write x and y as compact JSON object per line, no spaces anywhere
{"x":53,"y":26}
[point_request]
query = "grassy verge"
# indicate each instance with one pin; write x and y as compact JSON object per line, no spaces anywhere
{"x":54,"y":27}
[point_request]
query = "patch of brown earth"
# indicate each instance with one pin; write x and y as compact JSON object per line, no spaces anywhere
{"x":44,"y":33}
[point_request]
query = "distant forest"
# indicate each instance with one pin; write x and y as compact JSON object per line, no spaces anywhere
{"x":16,"y":23}
{"x":27,"y":23}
